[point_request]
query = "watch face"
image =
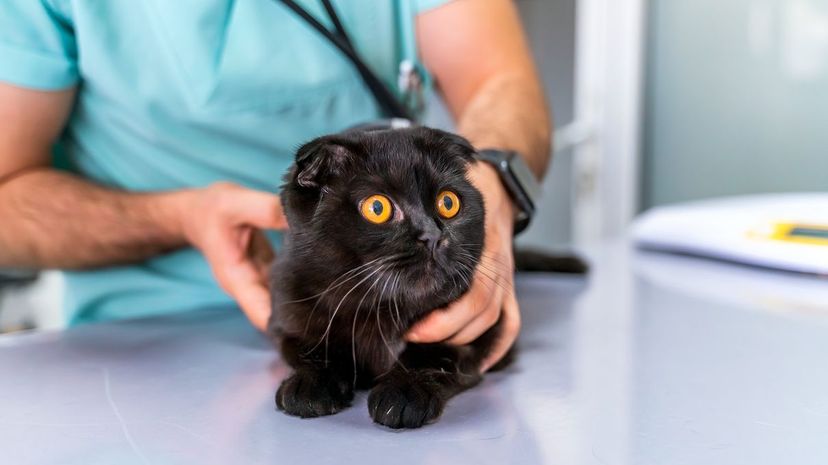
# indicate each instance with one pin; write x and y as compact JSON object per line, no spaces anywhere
{"x":518,"y":180}
{"x":526,"y":179}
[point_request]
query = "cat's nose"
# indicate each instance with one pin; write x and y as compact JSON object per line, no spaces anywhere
{"x":430,"y":239}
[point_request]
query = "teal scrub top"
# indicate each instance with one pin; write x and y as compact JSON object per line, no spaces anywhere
{"x":184,"y":93}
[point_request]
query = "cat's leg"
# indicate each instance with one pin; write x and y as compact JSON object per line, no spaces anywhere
{"x":426,"y":376}
{"x":415,"y":392}
{"x":319,"y":385}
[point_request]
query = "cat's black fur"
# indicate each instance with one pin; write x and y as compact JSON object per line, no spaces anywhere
{"x":345,"y":290}
{"x":351,"y":335}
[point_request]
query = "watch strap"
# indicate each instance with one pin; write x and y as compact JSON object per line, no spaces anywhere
{"x":518,"y":180}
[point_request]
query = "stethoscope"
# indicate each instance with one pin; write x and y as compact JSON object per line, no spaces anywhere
{"x":410,"y":80}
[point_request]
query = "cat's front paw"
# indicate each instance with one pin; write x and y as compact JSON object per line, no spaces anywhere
{"x":399,"y":404}
{"x":310,"y":394}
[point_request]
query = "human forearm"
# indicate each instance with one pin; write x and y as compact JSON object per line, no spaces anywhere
{"x":479,"y":56}
{"x":481,"y":60}
{"x":56,"y":220}
{"x":509,"y":112}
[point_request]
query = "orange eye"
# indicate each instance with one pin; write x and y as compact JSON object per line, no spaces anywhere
{"x":448,"y":204}
{"x":376,"y":209}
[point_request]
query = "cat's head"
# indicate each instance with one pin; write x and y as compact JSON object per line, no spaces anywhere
{"x":396,"y":203}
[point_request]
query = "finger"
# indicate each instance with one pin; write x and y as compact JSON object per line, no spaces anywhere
{"x":477,"y":326}
{"x":254,"y":300}
{"x":490,"y":306}
{"x":260,"y":209}
{"x":246,"y":285}
{"x":442,"y":324}
{"x":511,"y":327}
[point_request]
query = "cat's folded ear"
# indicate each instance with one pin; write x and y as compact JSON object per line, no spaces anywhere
{"x":448,"y":142}
{"x":320,"y":159}
{"x":465,"y":148}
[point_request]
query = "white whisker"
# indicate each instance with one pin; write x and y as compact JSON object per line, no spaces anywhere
{"x":353,"y":326}
{"x":336,"y":310}
{"x":356,"y":272}
{"x":382,"y":335}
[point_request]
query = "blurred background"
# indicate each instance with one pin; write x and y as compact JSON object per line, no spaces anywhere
{"x":655,"y":102}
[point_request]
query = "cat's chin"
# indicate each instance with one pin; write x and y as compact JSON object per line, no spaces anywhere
{"x":434,"y":285}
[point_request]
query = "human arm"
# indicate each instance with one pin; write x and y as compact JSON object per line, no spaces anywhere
{"x":53,"y":219}
{"x":481,"y":61}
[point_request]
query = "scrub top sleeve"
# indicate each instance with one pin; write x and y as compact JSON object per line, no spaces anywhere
{"x":421,"y":6}
{"x":37,"y":44}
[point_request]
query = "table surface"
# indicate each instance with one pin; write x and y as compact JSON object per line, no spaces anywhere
{"x":652,"y":359}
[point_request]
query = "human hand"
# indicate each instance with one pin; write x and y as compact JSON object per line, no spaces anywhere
{"x":226,"y":222}
{"x":491,"y":295}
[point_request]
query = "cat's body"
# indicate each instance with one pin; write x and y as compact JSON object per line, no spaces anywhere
{"x":347,"y":286}
{"x":345,"y":290}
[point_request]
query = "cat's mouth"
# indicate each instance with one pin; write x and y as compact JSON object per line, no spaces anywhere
{"x":425,"y":265}
{"x":434,"y":277}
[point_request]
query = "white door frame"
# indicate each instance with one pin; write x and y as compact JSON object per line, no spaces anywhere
{"x":605,"y":134}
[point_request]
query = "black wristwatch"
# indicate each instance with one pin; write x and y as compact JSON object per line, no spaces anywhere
{"x":519,"y":181}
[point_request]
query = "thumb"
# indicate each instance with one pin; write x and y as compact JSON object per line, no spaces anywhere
{"x":260,"y":209}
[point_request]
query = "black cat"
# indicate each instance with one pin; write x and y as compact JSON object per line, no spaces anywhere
{"x":385,"y":227}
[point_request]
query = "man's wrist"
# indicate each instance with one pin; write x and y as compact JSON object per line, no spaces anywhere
{"x":168,"y":213}
{"x":500,"y":208}
{"x":518,"y":181}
